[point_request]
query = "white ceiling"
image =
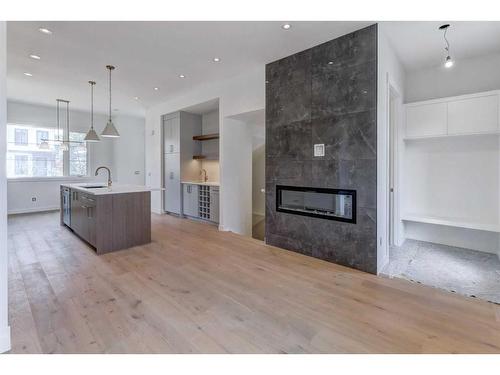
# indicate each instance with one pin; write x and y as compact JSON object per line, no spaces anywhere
{"x":146,"y":55}
{"x":153,"y":54}
{"x":421,"y":44}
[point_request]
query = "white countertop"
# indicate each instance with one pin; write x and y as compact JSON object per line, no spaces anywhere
{"x":208,"y":183}
{"x":113,"y":189}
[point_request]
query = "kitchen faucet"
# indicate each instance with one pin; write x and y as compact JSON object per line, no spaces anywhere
{"x":109,"y":174}
{"x":205,"y":179}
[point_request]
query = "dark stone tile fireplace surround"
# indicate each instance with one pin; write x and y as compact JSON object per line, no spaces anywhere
{"x":325,"y":95}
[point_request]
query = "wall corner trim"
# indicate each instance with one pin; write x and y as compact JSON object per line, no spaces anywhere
{"x":5,"y":344}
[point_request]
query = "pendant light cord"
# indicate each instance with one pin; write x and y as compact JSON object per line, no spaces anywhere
{"x":110,"y":93}
{"x":92,"y":104}
{"x":58,"y":139}
{"x":67,"y":121}
{"x":447,"y":48}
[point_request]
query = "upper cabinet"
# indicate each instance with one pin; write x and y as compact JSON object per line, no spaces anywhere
{"x":474,"y":115}
{"x":171,"y":133}
{"x":426,"y":120}
{"x":462,"y":115}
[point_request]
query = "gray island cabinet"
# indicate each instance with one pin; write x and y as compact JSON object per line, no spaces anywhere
{"x":107,"y":218}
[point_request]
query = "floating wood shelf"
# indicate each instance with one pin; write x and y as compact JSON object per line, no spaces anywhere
{"x":206,"y":137}
{"x":207,"y":157}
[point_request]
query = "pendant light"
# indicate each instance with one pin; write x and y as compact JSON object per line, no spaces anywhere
{"x":110,"y":130}
{"x":448,"y":62}
{"x":92,"y":135}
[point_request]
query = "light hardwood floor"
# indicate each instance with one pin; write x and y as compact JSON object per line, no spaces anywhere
{"x":197,"y":290}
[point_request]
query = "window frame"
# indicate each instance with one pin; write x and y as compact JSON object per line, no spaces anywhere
{"x":66,"y":167}
{"x":26,"y":134}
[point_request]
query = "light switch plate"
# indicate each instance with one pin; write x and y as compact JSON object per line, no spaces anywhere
{"x":319,"y":149}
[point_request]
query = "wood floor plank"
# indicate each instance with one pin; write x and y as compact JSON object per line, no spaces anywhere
{"x":197,"y":290}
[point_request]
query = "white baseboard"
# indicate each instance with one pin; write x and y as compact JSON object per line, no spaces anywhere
{"x":34,"y":209}
{"x":4,"y":339}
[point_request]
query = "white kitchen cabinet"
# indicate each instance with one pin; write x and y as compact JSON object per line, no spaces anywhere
{"x":426,"y":120}
{"x":171,"y":132}
{"x":179,"y":148}
{"x":473,"y":115}
{"x":190,"y":195}
{"x":172,"y":201}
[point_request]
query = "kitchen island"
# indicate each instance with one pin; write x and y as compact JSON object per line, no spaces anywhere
{"x":108,"y":218}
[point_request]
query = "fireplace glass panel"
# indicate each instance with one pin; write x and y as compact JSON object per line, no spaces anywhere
{"x":333,"y":204}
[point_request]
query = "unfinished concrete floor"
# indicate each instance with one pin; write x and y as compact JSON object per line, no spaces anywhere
{"x":464,"y":271}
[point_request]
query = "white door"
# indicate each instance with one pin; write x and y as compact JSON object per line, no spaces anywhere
{"x":172,"y":183}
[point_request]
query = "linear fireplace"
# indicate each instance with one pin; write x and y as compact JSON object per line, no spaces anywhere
{"x":332,"y":204}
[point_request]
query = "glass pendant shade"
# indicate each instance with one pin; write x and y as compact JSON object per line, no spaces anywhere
{"x":44,"y":145}
{"x":110,"y":130}
{"x":448,"y":62}
{"x":91,"y":136}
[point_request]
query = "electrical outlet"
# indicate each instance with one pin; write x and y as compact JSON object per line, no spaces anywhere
{"x":33,"y":199}
{"x":319,"y":149}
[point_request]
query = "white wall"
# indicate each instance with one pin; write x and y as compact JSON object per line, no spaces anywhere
{"x":238,"y":94}
{"x":390,"y":72}
{"x":210,"y":125}
{"x":259,"y":168}
{"x":466,"y":77}
{"x":4,"y":324}
{"x":124,"y":155}
{"x":237,"y":144}
{"x":128,"y":157}
{"x":259,"y":180}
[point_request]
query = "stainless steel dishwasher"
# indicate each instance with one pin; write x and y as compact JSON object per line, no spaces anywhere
{"x":66,"y":206}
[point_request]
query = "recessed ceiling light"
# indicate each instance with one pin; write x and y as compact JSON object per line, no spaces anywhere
{"x":156,"y":88}
{"x":216,"y":59}
{"x":45,"y":31}
{"x":28,"y":74}
{"x":286,"y":26}
{"x":330,"y":62}
{"x":35,"y":57}
{"x":182,"y":76}
{"x":136,"y":97}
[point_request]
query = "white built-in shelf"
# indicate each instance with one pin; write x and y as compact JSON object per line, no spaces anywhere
{"x":408,"y":139}
{"x":451,"y":222}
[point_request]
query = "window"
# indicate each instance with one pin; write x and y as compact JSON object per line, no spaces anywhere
{"x":77,"y":155}
{"x":41,"y":135}
{"x":25,"y":158}
{"x":21,"y":165}
{"x":21,"y":136}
